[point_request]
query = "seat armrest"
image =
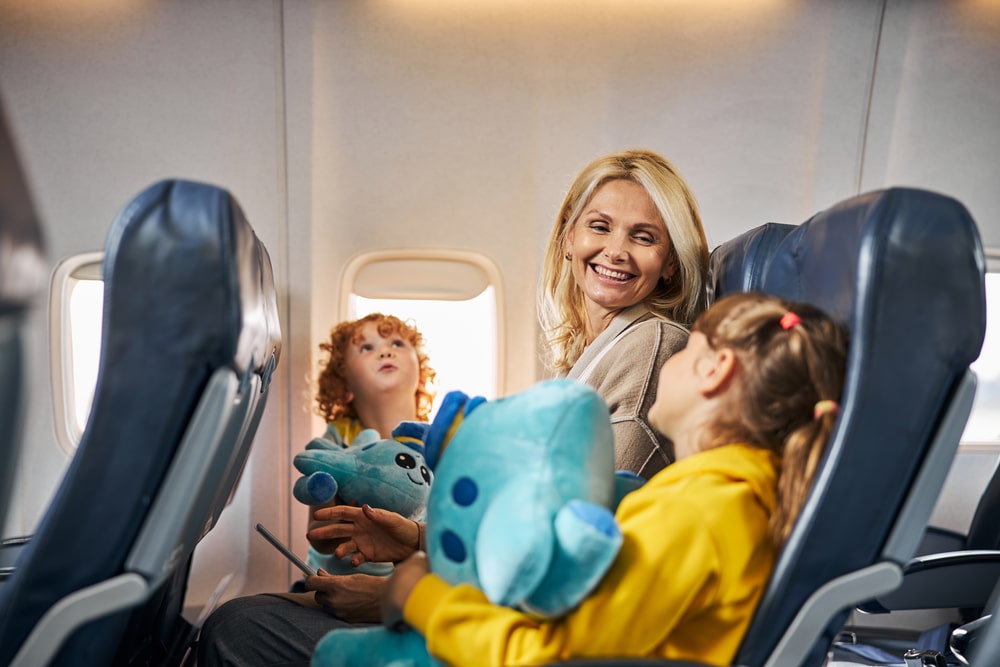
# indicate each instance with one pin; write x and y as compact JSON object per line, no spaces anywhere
{"x":942,"y":581}
{"x":939,"y":540}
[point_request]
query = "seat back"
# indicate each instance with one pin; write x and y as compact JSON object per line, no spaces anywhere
{"x":903,"y":269}
{"x":190,"y":338}
{"x":22,"y":273}
{"x":984,"y":530}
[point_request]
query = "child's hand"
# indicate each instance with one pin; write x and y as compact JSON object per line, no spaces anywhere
{"x":399,"y":586}
{"x":352,"y":597}
{"x":368,"y":534}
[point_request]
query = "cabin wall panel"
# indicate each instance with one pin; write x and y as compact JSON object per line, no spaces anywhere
{"x":935,"y":105}
{"x":107,"y":98}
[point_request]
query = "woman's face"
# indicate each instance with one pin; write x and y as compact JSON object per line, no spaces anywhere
{"x":619,"y":249}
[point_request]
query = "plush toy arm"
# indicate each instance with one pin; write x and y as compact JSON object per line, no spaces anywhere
{"x":625,"y":483}
{"x":377,"y":647}
{"x":318,"y":488}
{"x":514,"y":543}
{"x":587,"y":541}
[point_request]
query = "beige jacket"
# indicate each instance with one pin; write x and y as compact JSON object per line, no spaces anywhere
{"x":623,"y":366}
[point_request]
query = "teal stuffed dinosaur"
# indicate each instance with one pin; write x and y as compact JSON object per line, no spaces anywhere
{"x":521,"y":507}
{"x":390,"y":473}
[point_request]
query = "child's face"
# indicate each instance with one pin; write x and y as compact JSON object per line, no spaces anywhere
{"x":375,"y":365}
{"x":678,"y":391}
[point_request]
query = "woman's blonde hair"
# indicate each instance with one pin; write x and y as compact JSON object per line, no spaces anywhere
{"x":792,"y":358}
{"x":560,"y":300}
{"x":332,"y":396}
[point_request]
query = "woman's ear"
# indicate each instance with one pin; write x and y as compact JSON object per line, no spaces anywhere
{"x":670,"y":268}
{"x":717,"y":370}
{"x":567,"y":244}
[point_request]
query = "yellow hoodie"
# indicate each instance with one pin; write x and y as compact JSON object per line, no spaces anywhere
{"x":694,"y":561}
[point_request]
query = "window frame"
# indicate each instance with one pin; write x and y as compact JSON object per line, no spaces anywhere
{"x":81,"y":266}
{"x":357,"y":263}
{"x":992,"y":257}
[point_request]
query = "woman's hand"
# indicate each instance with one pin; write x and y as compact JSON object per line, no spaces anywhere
{"x":320,"y":545}
{"x":368,"y":534}
{"x":398,"y":588}
{"x":354,"y":598}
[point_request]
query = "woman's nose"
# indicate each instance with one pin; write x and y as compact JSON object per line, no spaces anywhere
{"x":615,"y":249}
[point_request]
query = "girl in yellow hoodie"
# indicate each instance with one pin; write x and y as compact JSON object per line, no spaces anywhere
{"x":749,"y":405}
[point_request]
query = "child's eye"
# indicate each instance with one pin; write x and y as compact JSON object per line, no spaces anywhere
{"x":366,"y":347}
{"x":399,"y":343}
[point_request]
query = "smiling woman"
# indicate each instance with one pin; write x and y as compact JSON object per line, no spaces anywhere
{"x":624,"y":276}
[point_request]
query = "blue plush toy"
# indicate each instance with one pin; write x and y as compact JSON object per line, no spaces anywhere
{"x":521,"y":507}
{"x":390,"y":473}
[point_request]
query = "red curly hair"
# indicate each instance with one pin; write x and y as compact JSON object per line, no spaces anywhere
{"x":332,"y":396}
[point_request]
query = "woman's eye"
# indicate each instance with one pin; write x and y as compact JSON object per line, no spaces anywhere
{"x":644,"y":238}
{"x":599,"y":226}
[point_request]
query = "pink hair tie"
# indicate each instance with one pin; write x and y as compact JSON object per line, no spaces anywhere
{"x":825,"y":408}
{"x":789,"y":320}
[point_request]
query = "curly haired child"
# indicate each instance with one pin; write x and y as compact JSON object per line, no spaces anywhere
{"x":375,"y":375}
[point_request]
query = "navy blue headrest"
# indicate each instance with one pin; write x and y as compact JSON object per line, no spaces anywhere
{"x":740,"y":264}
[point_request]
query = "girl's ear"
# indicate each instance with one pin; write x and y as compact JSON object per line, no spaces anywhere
{"x":349,"y":398}
{"x":717,"y":370}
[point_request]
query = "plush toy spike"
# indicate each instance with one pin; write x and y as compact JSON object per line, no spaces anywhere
{"x":454,"y":408}
{"x":413,"y":434}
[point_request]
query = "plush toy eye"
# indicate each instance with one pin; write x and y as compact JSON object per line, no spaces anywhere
{"x":464,"y":491}
{"x":426,"y":474}
{"x":406,"y":461}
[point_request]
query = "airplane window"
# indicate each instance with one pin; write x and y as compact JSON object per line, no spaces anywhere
{"x":76,"y":306}
{"x":984,"y":422}
{"x":453,"y":298}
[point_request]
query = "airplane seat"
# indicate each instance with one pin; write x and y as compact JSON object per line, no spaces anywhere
{"x":22,"y":273}
{"x":740,"y":264}
{"x":903,"y":269}
{"x":190,"y":338}
{"x":949,"y":571}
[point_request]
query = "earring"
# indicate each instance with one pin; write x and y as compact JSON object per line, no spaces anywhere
{"x":568,"y":256}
